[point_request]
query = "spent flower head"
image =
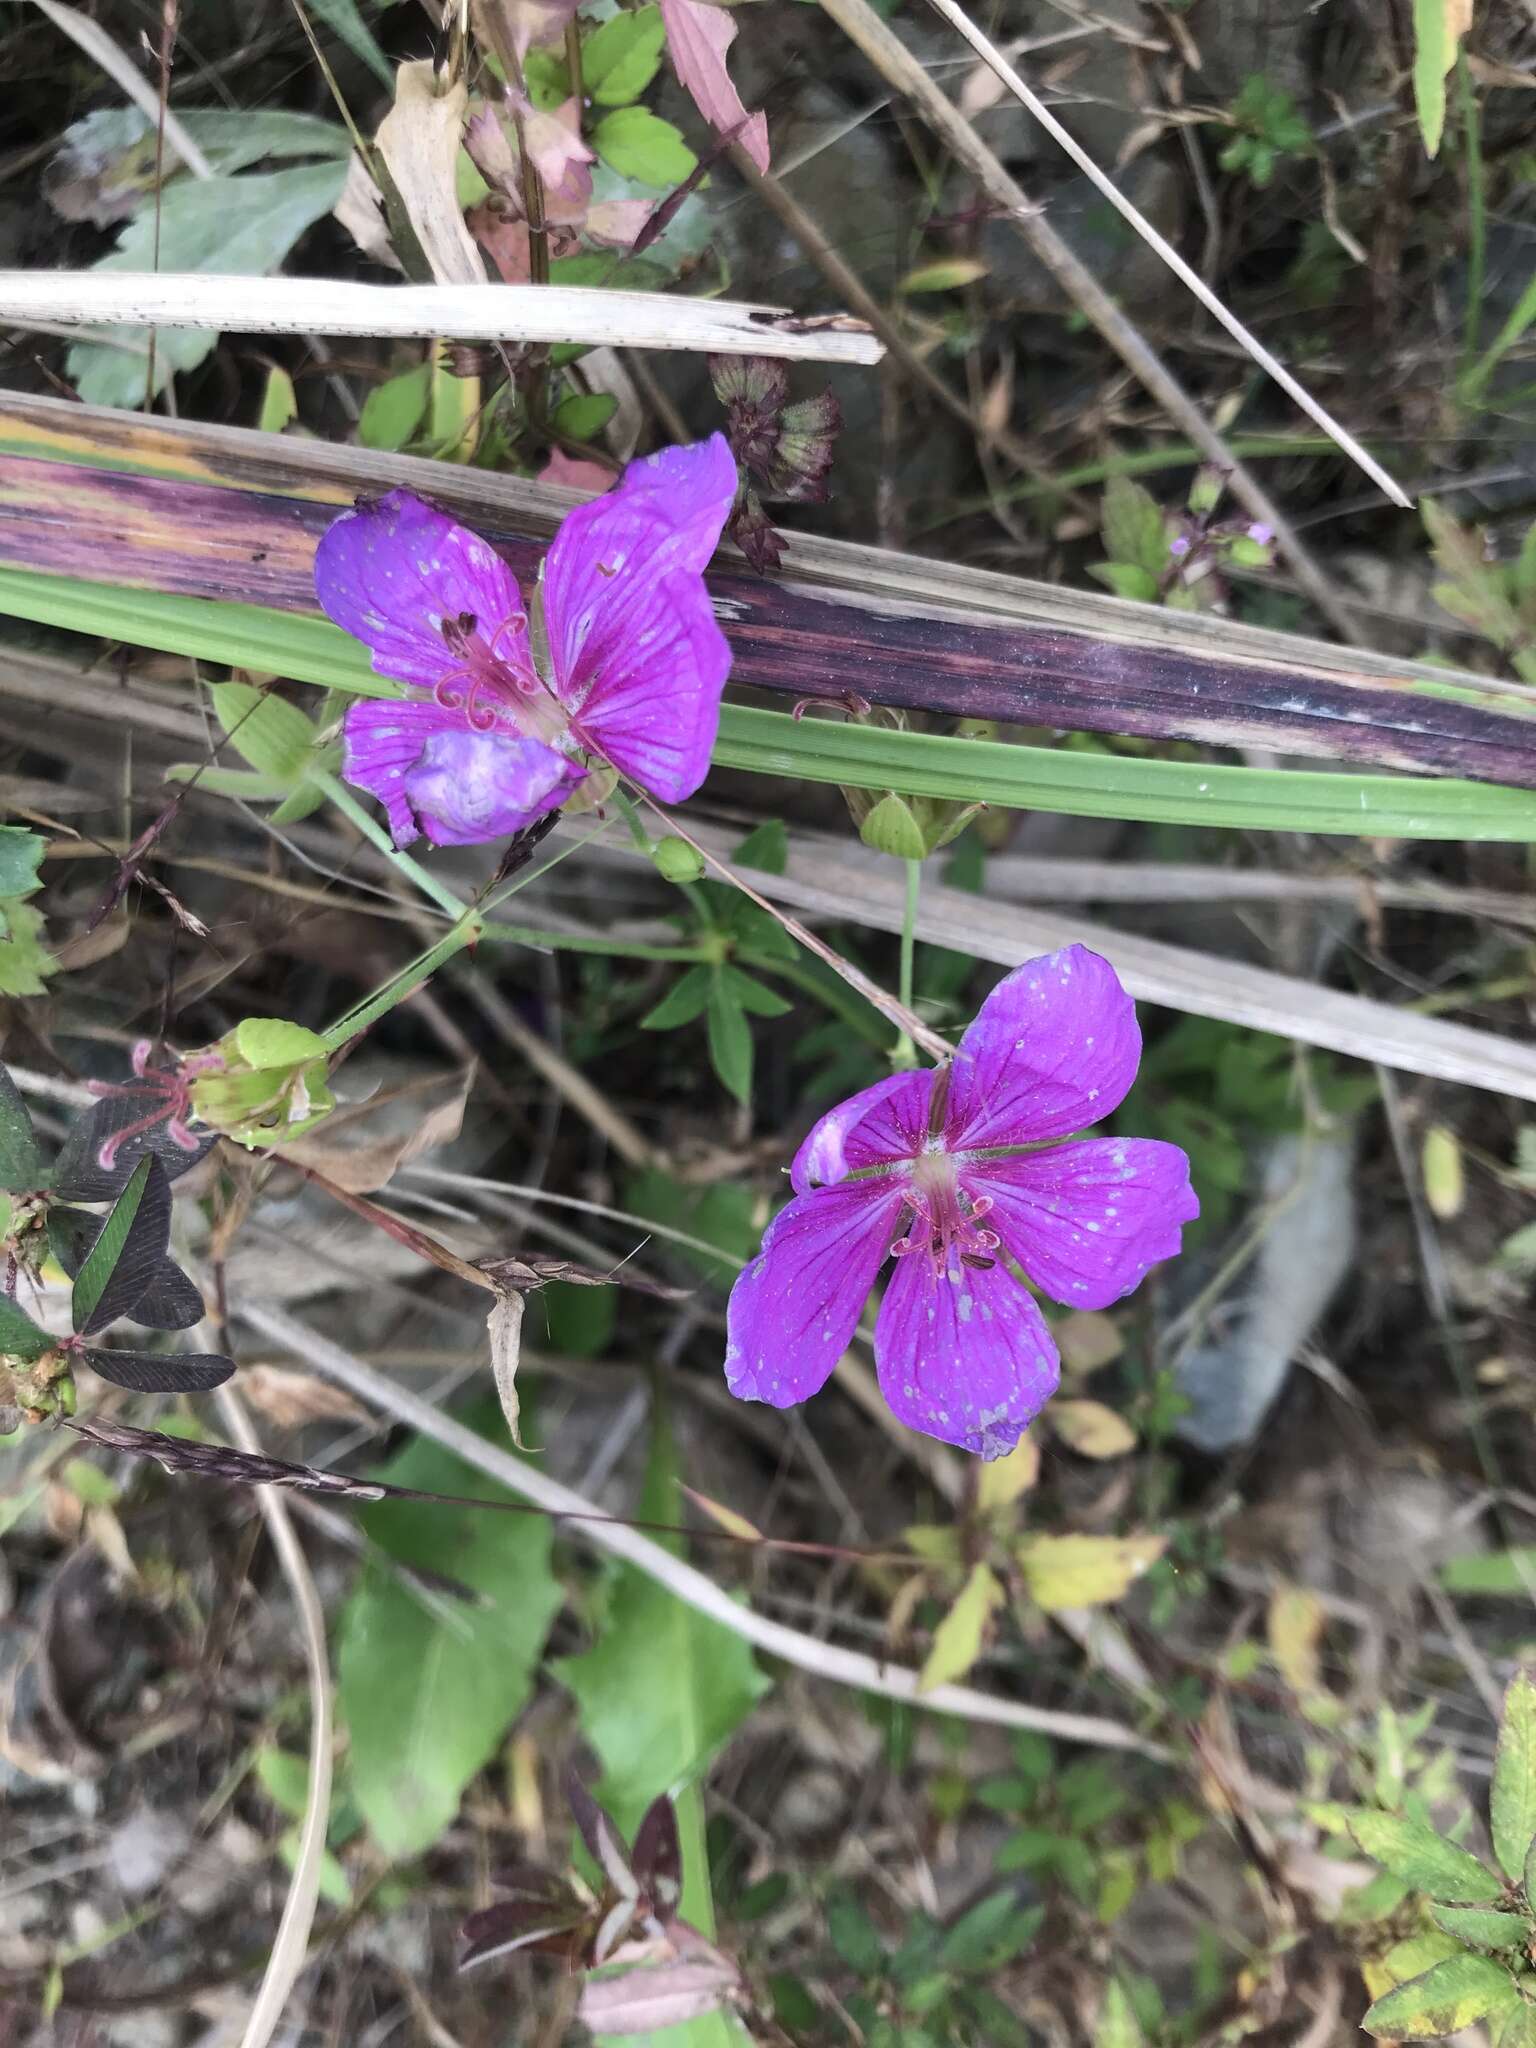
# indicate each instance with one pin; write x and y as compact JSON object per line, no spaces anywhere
{"x":492,"y":735}
{"x":960,"y":1174}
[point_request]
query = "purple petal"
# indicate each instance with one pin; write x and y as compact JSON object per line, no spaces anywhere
{"x":963,"y":1355}
{"x":881,"y":1124}
{"x":1086,"y":1221}
{"x":391,"y":572}
{"x":639,"y":662}
{"x":434,"y":773}
{"x":795,"y":1307}
{"x":1053,"y":1048}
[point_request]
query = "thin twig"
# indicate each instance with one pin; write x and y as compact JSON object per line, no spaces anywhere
{"x":823,"y":1660}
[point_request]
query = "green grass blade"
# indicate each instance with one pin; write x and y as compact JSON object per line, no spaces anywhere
{"x":309,"y":649}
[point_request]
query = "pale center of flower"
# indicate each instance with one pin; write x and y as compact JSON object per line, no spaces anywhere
{"x":946,"y":1220}
{"x":490,"y":689}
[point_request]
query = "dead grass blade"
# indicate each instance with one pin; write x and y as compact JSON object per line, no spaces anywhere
{"x":93,"y":39}
{"x":455,"y":312}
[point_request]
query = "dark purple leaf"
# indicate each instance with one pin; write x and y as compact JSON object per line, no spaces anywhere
{"x":657,"y":1857}
{"x":605,"y":1845}
{"x":169,"y":1302}
{"x":21,"y":1164}
{"x":127,"y":1251}
{"x":518,"y":1924}
{"x":79,"y":1176}
{"x":161,"y":1372}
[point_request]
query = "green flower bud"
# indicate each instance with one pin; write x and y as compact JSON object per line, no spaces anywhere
{"x":676,"y":860}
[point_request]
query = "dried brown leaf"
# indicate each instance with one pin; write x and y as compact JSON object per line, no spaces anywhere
{"x":504,"y":1326}
{"x":290,"y":1399}
{"x":419,"y":142}
{"x":364,"y":1168}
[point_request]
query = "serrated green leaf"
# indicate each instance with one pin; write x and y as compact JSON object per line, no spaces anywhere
{"x":427,"y":1685}
{"x":393,"y":410}
{"x":958,"y":1639}
{"x":268,"y":1043}
{"x":621,"y":56}
{"x":1443,"y":2001}
{"x":639,"y":144}
{"x":25,"y":962}
{"x":1126,"y":579}
{"x":663,"y":1686}
{"x":730,"y":1039}
{"x":21,"y":854}
{"x":687,"y":998}
{"x":19,"y":1335}
{"x":272,"y":734}
{"x":1416,"y":1854}
{"x":1482,"y":1926}
{"x":1133,"y":526}
{"x":21,"y":1163}
{"x":1512,"y":1802}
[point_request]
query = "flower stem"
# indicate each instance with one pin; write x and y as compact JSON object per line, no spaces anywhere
{"x":905,"y":1052}
{"x":435,"y":891}
{"x":405,"y":983}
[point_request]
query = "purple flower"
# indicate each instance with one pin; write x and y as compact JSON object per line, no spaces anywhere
{"x":491,"y":737}
{"x":954,"y":1172}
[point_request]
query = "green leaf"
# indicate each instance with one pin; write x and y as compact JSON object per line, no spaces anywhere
{"x":272,"y":734}
{"x":19,"y":1335}
{"x":1443,"y":2001}
{"x":585,"y":413}
{"x":686,"y":999}
{"x":428,"y":1686}
{"x":127,"y":1252}
{"x":279,"y":402}
{"x":766,"y":846}
{"x":639,"y":144}
{"x":580,"y":1320}
{"x":1117,"y":2026}
{"x":753,"y":997}
{"x":854,"y":1936}
{"x":25,"y":961}
{"x":662,"y":1687}
{"x":1133,"y":526}
{"x":21,"y":853}
{"x":21,"y":1163}
{"x":1126,"y":579}
{"x":1493,"y":1573}
{"x":1420,"y":1857}
{"x":269,"y":1043}
{"x":1437,"y":30}
{"x":1518,"y":2029}
{"x":310,"y":649}
{"x":621,"y":57}
{"x":346,"y":23}
{"x":730,"y":1039}
{"x":1512,"y":1803}
{"x":959,"y":1636}
{"x":947,"y":274}
{"x":722,"y":1215}
{"x":990,"y":1934}
{"x":242,"y":227}
{"x":1481,"y":1926}
{"x":393,"y":410}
